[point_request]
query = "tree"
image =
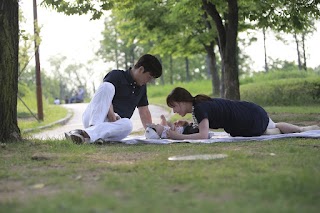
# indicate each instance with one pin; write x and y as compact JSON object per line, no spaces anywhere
{"x":295,"y":17}
{"x":9,"y":51}
{"x":227,"y":35}
{"x":169,"y":25}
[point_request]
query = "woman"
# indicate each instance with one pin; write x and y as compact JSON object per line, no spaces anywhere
{"x":238,"y":118}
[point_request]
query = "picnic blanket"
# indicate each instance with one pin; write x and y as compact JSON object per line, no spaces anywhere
{"x":222,"y":137}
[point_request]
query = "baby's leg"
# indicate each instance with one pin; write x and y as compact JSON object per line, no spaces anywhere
{"x":163,"y":121}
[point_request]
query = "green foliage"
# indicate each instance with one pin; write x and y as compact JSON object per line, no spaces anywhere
{"x":180,"y":29}
{"x":80,"y":7}
{"x":195,"y":87}
{"x":175,"y":69}
{"x":273,"y":75}
{"x":285,"y":16}
{"x":29,"y":98}
{"x":283,"y":92}
{"x":267,"y":89}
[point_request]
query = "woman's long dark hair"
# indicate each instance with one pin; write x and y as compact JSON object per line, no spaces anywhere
{"x":180,"y":94}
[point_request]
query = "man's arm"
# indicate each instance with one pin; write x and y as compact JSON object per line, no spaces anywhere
{"x":111,"y":115}
{"x":145,"y":115}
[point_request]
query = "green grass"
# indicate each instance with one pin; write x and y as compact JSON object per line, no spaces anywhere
{"x":55,"y":176}
{"x":28,"y":120}
{"x":52,"y":113}
{"x":275,"y":75}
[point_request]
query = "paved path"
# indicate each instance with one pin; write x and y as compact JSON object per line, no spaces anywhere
{"x":75,"y":122}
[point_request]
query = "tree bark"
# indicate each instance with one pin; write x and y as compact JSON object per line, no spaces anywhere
{"x":298,"y":51}
{"x":227,"y":34}
{"x":171,"y":69}
{"x":212,"y":66}
{"x":9,"y":48}
{"x":266,"y":68}
{"x":304,"y":52}
{"x":212,"y":60}
{"x":231,"y":54}
{"x":187,"y":70}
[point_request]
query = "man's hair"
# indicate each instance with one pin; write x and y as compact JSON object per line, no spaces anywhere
{"x":180,"y":94}
{"x":151,"y":64}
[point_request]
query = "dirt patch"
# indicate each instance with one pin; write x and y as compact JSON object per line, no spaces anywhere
{"x":14,"y":190}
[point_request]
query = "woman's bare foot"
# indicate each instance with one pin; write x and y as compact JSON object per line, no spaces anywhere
{"x":308,"y":128}
{"x":274,"y":131}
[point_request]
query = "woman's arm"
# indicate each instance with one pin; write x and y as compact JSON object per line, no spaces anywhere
{"x":203,"y":132}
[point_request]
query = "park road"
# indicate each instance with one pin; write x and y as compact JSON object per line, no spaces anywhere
{"x":75,"y":122}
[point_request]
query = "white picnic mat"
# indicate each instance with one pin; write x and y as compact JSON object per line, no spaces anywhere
{"x":222,"y":137}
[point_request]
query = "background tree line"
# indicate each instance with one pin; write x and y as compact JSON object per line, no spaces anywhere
{"x":184,"y":30}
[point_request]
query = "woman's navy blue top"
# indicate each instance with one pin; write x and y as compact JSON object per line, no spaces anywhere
{"x":238,"y":118}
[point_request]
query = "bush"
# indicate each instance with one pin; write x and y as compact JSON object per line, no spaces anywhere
{"x":294,"y":91}
{"x":276,"y":75}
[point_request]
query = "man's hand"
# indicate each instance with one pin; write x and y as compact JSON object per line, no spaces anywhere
{"x":112,"y":117}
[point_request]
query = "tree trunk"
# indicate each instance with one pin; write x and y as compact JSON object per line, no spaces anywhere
{"x":304,"y":52}
{"x":171,"y":70}
{"x":231,"y":52}
{"x":187,"y":69}
{"x":227,"y":35}
{"x":126,"y":61}
{"x":212,"y":60}
{"x":9,"y":48}
{"x":212,"y":67}
{"x":162,"y":76}
{"x":298,"y":51}
{"x":266,"y":68}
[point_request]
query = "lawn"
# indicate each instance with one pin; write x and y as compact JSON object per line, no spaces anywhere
{"x":58,"y":176}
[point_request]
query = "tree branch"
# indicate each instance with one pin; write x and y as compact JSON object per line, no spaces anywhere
{"x":212,"y":11}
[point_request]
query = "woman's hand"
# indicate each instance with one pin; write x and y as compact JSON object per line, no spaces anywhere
{"x":174,"y":135}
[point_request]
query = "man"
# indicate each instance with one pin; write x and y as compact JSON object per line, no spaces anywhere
{"x":107,"y":116}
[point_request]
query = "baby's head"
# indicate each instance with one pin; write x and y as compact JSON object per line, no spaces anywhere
{"x":153,"y":131}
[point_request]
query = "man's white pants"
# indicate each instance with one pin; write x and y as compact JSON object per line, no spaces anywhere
{"x":95,"y":119}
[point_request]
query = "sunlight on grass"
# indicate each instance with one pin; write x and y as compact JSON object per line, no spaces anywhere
{"x":52,"y":113}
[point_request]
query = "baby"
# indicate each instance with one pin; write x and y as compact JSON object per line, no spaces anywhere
{"x":157,"y":131}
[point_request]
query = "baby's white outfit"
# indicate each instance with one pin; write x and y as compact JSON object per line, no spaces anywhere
{"x":178,"y":129}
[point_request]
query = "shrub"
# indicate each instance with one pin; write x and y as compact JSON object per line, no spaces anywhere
{"x":276,"y":75}
{"x":292,"y":91}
